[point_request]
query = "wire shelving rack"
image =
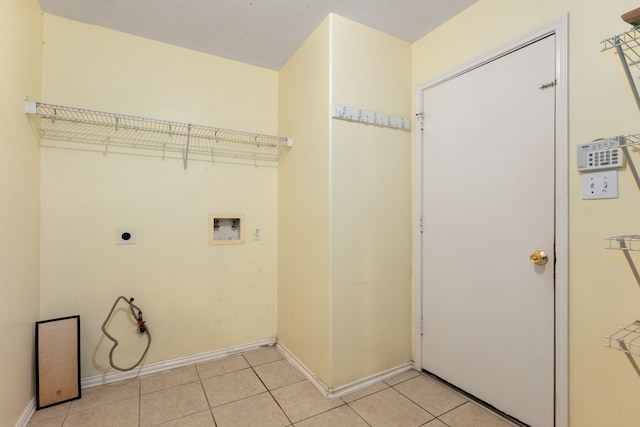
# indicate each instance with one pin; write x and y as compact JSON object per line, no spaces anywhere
{"x":57,"y":122}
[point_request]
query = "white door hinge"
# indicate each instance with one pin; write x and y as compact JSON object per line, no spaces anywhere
{"x":420,"y":120}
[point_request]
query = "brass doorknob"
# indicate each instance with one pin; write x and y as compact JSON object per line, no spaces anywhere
{"x":539,"y":257}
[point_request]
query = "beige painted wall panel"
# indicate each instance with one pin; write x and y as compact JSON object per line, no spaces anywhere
{"x":304,"y":312}
{"x":119,"y":72}
{"x":371,"y":215}
{"x":195,"y":297}
{"x":603,"y":293}
{"x":20,"y":77}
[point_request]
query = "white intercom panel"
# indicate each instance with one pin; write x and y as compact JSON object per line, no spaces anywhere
{"x":600,"y":154}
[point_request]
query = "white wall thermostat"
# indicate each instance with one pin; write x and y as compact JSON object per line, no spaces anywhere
{"x":600,"y":154}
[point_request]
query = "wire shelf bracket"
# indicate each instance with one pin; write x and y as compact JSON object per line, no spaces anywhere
{"x":626,"y":339}
{"x":624,"y":243}
{"x":63,"y":123}
{"x":627,"y":46}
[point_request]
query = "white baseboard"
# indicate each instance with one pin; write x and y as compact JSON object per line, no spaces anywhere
{"x":370,"y":380}
{"x":153,"y":368}
{"x":347,"y":388}
{"x":27,"y":413}
{"x":335,"y":392}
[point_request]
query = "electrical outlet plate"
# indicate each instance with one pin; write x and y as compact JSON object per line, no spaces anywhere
{"x":126,"y":236}
{"x":600,"y":185}
{"x":256,"y":232}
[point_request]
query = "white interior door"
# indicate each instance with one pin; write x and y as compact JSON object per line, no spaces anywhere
{"x":488,"y":204}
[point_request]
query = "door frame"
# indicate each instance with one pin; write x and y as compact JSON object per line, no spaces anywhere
{"x":559,"y":27}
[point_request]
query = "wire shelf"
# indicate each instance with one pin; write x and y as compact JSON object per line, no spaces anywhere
{"x":627,"y":47}
{"x":624,"y":243}
{"x":629,"y":41}
{"x":629,"y":140}
{"x":626,"y":339}
{"x":109,"y":129}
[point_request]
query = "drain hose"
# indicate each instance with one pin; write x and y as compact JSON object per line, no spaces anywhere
{"x":142,"y":328}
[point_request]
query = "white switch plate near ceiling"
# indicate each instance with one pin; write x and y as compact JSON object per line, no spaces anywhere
{"x":600,"y":185}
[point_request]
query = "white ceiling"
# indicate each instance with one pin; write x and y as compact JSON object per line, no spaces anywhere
{"x":259,"y":32}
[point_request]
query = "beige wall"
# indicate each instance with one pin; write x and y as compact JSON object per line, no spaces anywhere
{"x":304,"y":311}
{"x":345,"y":206}
{"x":20,"y":74}
{"x":196,"y":298}
{"x":371,"y":220}
{"x":331,"y":286}
{"x":603,"y":293}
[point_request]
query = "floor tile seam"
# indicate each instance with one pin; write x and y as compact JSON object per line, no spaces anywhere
{"x":206,"y":398}
{"x":274,"y":388}
{"x":225,"y":373}
{"x":479,"y":405}
{"x":273,"y":397}
{"x":64,"y":417}
{"x":195,"y":365}
{"x":366,"y":395}
{"x":237,"y":400}
{"x":420,"y":374}
{"x":436,"y":418}
{"x":328,"y":410}
{"x":169,"y":387}
{"x":263,"y":363}
{"x":442,"y":421}
{"x":356,"y":412}
{"x":447,"y":385}
{"x":486,"y":407}
{"x":99,"y":406}
{"x":452,"y":409}
{"x":139,"y":403}
{"x":285,"y":385}
{"x":182,"y":417}
{"x":281,"y":408}
{"x":420,"y":406}
{"x":398,"y":383}
{"x":414,"y":402}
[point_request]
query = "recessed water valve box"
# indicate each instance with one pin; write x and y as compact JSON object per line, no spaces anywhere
{"x":226,"y":229}
{"x":126,"y":236}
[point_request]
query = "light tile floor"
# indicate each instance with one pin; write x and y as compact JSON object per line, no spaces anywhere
{"x":261,"y":388}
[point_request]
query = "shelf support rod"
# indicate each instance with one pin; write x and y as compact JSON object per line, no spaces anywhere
{"x":632,"y":167}
{"x":186,"y":150}
{"x":627,"y":72}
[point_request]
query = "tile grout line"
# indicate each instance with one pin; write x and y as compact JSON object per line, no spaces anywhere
{"x":344,"y":403}
{"x":206,"y":397}
{"x":416,"y":403}
{"x":363,"y":397}
{"x":139,"y":402}
{"x":268,"y":390}
{"x":356,"y":412}
{"x":474,"y":401}
{"x":66,"y":413}
{"x":449,"y":411}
